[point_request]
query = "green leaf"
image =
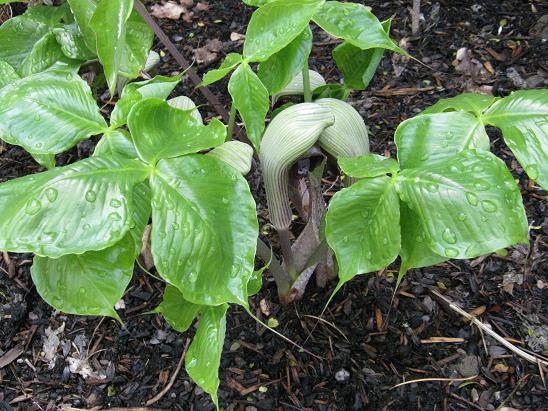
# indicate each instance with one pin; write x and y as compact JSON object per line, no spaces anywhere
{"x":204,"y":230}
{"x":8,"y":74}
{"x":251,"y":99}
{"x":83,"y":12}
{"x":87,"y":284}
{"x":186,"y":104}
{"x":362,"y":227}
{"x":236,"y":154}
{"x":275,"y":25}
{"x":335,"y":91}
{"x":116,"y":143}
{"x":415,"y":252}
{"x":123,"y":39}
{"x":523,"y":119}
{"x":203,"y":358}
{"x":48,"y":15}
{"x":18,"y":37}
{"x":142,"y":196}
{"x":157,"y":87}
{"x":162,"y":131}
{"x":45,"y":54}
{"x":469,"y":205}
{"x":282,"y":67}
{"x":178,"y":312}
{"x":471,"y":102}
{"x":45,"y":160}
{"x":359,"y":66}
{"x":257,"y":3}
{"x":72,"y":43}
{"x":433,"y":138}
{"x":229,"y":63}
{"x":369,"y":165}
{"x":355,"y":24}
{"x":69,"y":210}
{"x":49,"y":112}
{"x":296,"y":86}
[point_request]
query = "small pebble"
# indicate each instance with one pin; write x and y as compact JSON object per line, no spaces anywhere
{"x":342,"y":375}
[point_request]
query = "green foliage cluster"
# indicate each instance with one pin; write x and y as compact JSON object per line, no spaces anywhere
{"x":157,"y":163}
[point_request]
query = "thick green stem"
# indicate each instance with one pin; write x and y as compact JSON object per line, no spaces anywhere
{"x":306,"y":84}
{"x":287,"y":252}
{"x":231,"y":122}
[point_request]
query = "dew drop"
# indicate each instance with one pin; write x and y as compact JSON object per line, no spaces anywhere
{"x":489,"y":206}
{"x":86,"y":227}
{"x":91,"y":196}
{"x":532,"y":171}
{"x":472,"y":199}
{"x":482,"y":185}
{"x":33,"y":207}
{"x":115,"y":216}
{"x":451,"y":252}
{"x":424,"y":157}
{"x":433,"y":188}
{"x":385,"y":240}
{"x":461,"y":216}
{"x":162,"y":234}
{"x":192,"y":276}
{"x":172,"y":251}
{"x":345,"y":239}
{"x":82,"y":290}
{"x":224,"y":200}
{"x":175,"y":226}
{"x":477,"y":168}
{"x":115,"y":203}
{"x":57,"y":302}
{"x":365,"y":214}
{"x":449,"y":236}
{"x":51,"y":194}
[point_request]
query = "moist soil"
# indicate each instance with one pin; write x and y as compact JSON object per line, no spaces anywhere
{"x":366,"y":343}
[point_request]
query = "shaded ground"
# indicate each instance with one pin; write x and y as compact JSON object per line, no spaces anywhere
{"x":366,"y":348}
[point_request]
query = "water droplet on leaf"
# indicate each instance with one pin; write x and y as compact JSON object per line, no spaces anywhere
{"x":33,"y":207}
{"x":449,"y":236}
{"x":91,"y":196}
{"x":472,"y":199}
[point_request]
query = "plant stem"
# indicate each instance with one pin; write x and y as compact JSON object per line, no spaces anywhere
{"x":306,"y":84}
{"x":285,"y":245}
{"x":281,"y":278}
{"x":346,"y":94}
{"x":231,"y":122}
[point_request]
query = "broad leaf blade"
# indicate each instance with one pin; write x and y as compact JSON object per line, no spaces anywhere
{"x":204,"y":229}
{"x":18,"y":36}
{"x":282,"y":67}
{"x":523,"y":119}
{"x":471,"y":102}
{"x":116,"y":143}
{"x":433,"y":138}
{"x":236,"y":154}
{"x":49,"y":112}
{"x":203,"y":357}
{"x":8,"y":74}
{"x":45,"y":54}
{"x":362,"y":227}
{"x":178,"y":312}
{"x":70,"y":210}
{"x":229,"y":63}
{"x":469,"y":205}
{"x":251,"y":99}
{"x":275,"y":25}
{"x":72,"y":44}
{"x":370,"y":165}
{"x":162,"y":131}
{"x":87,"y":284}
{"x":356,"y":24}
{"x":83,"y":11}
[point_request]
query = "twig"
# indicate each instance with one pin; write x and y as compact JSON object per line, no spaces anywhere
{"x":416,"y":17}
{"x":531,"y":358}
{"x":164,"y":39}
{"x":173,"y":376}
{"x":433,"y":379}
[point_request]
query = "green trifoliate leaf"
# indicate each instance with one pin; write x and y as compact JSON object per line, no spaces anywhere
{"x":275,"y":25}
{"x":296,"y":86}
{"x":471,"y":102}
{"x":162,"y":131}
{"x":86,"y":284}
{"x":356,"y":24}
{"x":203,"y":358}
{"x":157,"y":87}
{"x":348,"y":136}
{"x":288,"y":137}
{"x":81,"y":207}
{"x":369,"y":165}
{"x":523,"y":119}
{"x":18,"y":37}
{"x":186,"y":104}
{"x":358,"y":66}
{"x":415,"y":251}
{"x":336,"y":91}
{"x":251,"y":99}
{"x":178,"y":312}
{"x":204,"y":230}
{"x":72,"y":43}
{"x":469,"y":205}
{"x":82,"y":11}
{"x":46,"y":54}
{"x":230,"y":62}
{"x":54,"y":110}
{"x":433,"y":138}
{"x":123,"y":39}
{"x":236,"y":154}
{"x":282,"y":67}
{"x":362,"y":227}
{"x":8,"y":74}
{"x":116,"y":143}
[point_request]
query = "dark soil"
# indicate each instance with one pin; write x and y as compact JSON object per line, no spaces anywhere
{"x":365,"y":345}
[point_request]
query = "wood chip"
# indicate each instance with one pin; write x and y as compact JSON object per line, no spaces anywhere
{"x":11,"y":355}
